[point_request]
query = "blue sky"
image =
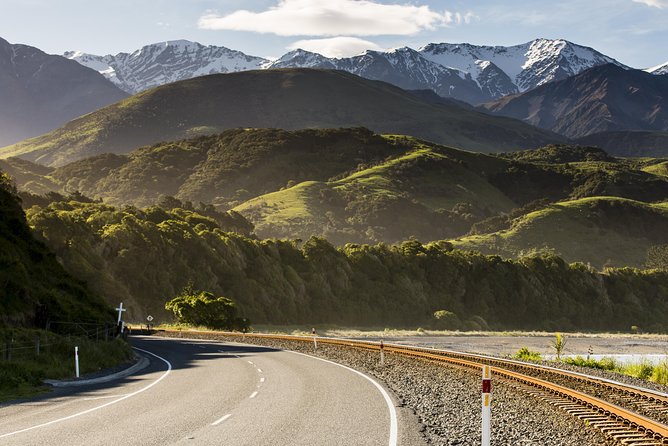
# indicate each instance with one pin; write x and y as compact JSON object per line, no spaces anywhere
{"x":635,"y":32}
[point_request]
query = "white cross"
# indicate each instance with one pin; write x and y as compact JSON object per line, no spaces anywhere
{"x":120,"y":310}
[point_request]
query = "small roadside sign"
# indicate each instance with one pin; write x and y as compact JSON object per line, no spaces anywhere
{"x":149,"y":318}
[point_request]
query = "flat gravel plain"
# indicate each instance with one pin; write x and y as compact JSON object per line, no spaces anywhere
{"x":447,"y":402}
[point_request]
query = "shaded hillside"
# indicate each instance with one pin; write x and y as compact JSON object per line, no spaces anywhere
{"x":39,"y":92}
{"x":601,"y":99}
{"x":629,"y":143}
{"x":602,"y":231}
{"x":31,"y":277}
{"x":288,"y":99}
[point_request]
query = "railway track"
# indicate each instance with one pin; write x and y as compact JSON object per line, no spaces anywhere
{"x":631,"y":415}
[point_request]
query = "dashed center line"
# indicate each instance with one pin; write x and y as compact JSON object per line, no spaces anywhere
{"x":253,"y":395}
{"x":259,"y":370}
{"x":261,"y":380}
{"x":221,"y":419}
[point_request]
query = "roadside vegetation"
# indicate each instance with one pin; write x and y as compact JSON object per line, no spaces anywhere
{"x":36,"y":292}
{"x":29,"y":356}
{"x":641,"y":369}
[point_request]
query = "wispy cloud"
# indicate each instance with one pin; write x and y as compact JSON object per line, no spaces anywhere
{"x":336,"y":46}
{"x":335,"y":18}
{"x":654,"y":3}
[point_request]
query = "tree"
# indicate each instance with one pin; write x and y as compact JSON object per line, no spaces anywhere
{"x":202,"y":308}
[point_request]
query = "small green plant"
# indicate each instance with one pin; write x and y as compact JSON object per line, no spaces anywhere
{"x":660,"y":374}
{"x":527,"y":355}
{"x":559,"y":344}
{"x":643,"y":369}
{"x":602,"y":364}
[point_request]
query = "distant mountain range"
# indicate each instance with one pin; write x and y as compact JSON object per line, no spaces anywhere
{"x":286,"y":99}
{"x":467,"y":72}
{"x":601,"y":99}
{"x":39,"y":92}
{"x":659,"y":69}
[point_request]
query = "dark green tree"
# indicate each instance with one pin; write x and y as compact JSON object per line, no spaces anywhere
{"x":202,"y":308}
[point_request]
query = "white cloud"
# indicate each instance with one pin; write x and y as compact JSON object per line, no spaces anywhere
{"x":654,"y":3}
{"x":335,"y":18}
{"x":336,"y":46}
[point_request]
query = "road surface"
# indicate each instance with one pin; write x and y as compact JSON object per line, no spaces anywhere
{"x":201,"y":393}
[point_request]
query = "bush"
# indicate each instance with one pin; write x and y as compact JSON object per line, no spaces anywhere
{"x":601,"y":364}
{"x":527,"y":355}
{"x":202,"y":308}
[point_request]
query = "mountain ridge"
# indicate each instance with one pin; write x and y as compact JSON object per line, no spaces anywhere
{"x":473,"y":73}
{"x":39,"y":92}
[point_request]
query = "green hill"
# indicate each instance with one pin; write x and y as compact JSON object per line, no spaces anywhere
{"x":287,"y":99}
{"x":427,"y":193}
{"x":348,"y":185}
{"x":602,"y":231}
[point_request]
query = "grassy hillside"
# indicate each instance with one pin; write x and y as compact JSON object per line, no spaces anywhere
{"x":348,"y":185}
{"x":426,"y":193}
{"x":288,"y":99}
{"x":602,"y":231}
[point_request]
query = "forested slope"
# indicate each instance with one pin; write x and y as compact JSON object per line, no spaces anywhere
{"x":147,"y":256}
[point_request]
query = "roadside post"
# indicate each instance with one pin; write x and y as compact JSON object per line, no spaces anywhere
{"x":76,"y":360}
{"x":315,"y":340}
{"x":120,"y":310}
{"x":382,"y":353}
{"x":486,"y":405}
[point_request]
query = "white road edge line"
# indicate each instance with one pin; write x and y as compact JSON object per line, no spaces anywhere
{"x":388,"y":400}
{"x":221,"y":419}
{"x":253,"y":395}
{"x":164,"y":375}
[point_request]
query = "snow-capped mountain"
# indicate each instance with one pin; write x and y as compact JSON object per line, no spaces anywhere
{"x":467,"y":72}
{"x":403,"y":67}
{"x":526,"y":66}
{"x":659,"y":69}
{"x":166,"y":62}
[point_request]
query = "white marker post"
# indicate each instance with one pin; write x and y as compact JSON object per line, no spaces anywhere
{"x":486,"y":405}
{"x":315,"y":340}
{"x":76,"y":360}
{"x":120,"y":310}
{"x":382,"y":354}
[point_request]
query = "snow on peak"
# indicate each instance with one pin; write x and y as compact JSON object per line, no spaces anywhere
{"x":659,"y":69}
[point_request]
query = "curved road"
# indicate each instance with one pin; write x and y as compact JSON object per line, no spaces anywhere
{"x":200,"y":393}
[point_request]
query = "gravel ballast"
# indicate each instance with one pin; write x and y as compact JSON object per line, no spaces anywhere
{"x":447,"y":401}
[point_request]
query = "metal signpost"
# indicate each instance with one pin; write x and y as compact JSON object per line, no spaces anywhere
{"x":315,"y":341}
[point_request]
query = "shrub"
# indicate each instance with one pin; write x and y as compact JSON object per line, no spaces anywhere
{"x":527,"y":355}
{"x":202,"y":308}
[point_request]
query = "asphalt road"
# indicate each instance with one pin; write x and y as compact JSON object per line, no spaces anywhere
{"x":201,"y":393}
